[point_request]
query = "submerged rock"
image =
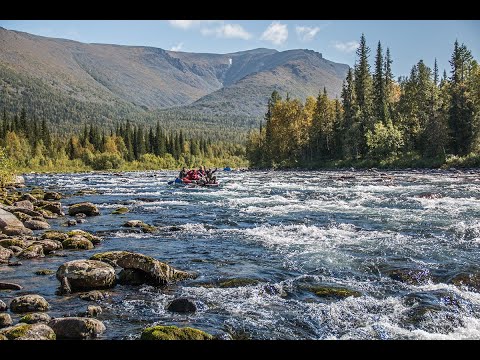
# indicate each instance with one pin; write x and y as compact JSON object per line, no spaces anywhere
{"x":52,"y":195}
{"x":410,"y":276}
{"x":93,"y":311}
{"x":141,"y":225}
{"x":333,"y":292}
{"x":182,"y":305}
{"x":237,"y":282}
{"x":159,"y":273}
{"x":5,"y":320}
{"x":94,"y":239}
{"x":85,"y":275}
{"x":174,"y":333}
{"x":33,"y":251}
{"x":120,"y":210}
{"x":470,"y":280}
{"x":44,"y":272}
{"x":76,"y":327}
{"x":29,"y":303}
{"x":93,"y":295}
{"x":35,"y":318}
{"x":71,"y":222}
{"x":85,"y":207}
{"x":28,"y":332}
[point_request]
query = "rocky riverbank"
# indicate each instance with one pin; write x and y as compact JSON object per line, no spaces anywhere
{"x":25,"y":236}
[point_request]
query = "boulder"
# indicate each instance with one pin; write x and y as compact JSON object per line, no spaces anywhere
{"x":17,"y":230}
{"x":28,"y":332}
{"x":470,"y":280}
{"x":94,"y":239}
{"x":237,"y":282}
{"x":410,"y":276}
{"x":140,"y":224}
{"x":93,"y":295}
{"x":133,"y":223}
{"x":28,"y":212}
{"x":24,"y":204}
{"x":14,"y":242}
{"x":28,"y":303}
{"x":132,"y":277}
{"x":5,"y":320}
{"x":36,"y":225}
{"x":174,"y":333}
{"x":80,"y":216}
{"x":9,"y":286}
{"x":49,"y":245}
{"x":54,"y":235}
{"x":85,"y":275}
{"x":159,"y":273}
{"x":33,"y":251}
{"x":77,"y":242}
{"x":3,"y":306}
{"x":76,"y":327}
{"x":34,"y":318}
{"x":15,"y":249}
{"x":54,"y":207}
{"x":71,"y":222}
{"x":21,"y":216}
{"x":7,"y":219}
{"x":110,"y":257}
{"x":29,"y":197}
{"x":182,"y":305}
{"x":85,"y":207}
{"x":5,"y":254}
{"x":52,"y":195}
{"x":326,"y":291}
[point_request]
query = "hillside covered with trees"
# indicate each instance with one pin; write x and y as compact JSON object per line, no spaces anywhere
{"x":421,"y":120}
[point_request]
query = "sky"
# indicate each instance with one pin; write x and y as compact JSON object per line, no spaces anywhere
{"x":408,"y":40}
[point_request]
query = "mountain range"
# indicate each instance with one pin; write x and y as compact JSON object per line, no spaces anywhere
{"x":70,"y":81}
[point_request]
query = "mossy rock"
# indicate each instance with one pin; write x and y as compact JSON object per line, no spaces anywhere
{"x":77,"y":242}
{"x":333,"y":292}
{"x":29,"y":332}
{"x":109,"y":257}
{"x":54,"y":235}
{"x":44,"y":272}
{"x":94,"y":239}
{"x":148,"y":228}
{"x":120,"y":210}
{"x":470,"y":280}
{"x":410,"y":276}
{"x":22,"y":216}
{"x":174,"y":333}
{"x":13,"y":242}
{"x":37,"y":193}
{"x":29,"y":303}
{"x":34,"y":318}
{"x":237,"y":282}
{"x":3,"y":337}
{"x":32,"y":251}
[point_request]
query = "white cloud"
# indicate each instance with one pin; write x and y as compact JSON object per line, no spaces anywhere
{"x":229,"y":31}
{"x":177,"y":47}
{"x":188,"y":24}
{"x":346,"y":47}
{"x":276,"y":33}
{"x":306,"y":33}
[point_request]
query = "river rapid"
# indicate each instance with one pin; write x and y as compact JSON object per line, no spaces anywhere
{"x":395,"y":240}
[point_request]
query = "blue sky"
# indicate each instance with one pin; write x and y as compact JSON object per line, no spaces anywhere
{"x":409,"y":40}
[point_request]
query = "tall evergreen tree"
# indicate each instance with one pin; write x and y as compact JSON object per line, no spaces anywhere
{"x":379,"y":85}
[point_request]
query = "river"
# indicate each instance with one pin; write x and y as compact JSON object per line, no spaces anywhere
{"x":291,"y":232}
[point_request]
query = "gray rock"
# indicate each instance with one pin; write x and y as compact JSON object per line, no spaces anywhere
{"x":77,"y":242}
{"x":5,"y":254}
{"x":28,"y":332}
{"x":3,"y":306}
{"x":36,"y":225}
{"x":93,"y":311}
{"x":29,"y":303}
{"x":5,"y":320}
{"x":110,"y":257}
{"x":24,"y":204}
{"x":76,"y":327}
{"x":182,"y":305}
{"x":80,"y":216}
{"x":15,"y":249}
{"x":49,"y":245}
{"x":54,"y":235}
{"x":7,"y":219}
{"x":85,"y":207}
{"x":34,"y":318}
{"x":29,"y":197}
{"x":17,"y":230}
{"x":71,"y":222}
{"x":85,"y":275}
{"x":52,"y":206}
{"x":52,"y":195}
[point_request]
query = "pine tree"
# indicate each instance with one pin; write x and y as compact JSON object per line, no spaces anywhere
{"x":379,"y":84}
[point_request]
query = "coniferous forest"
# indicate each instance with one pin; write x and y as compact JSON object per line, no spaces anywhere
{"x":425,"y":119}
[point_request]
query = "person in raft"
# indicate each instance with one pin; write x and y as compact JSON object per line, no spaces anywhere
{"x":183,"y":173}
{"x":211,"y":179}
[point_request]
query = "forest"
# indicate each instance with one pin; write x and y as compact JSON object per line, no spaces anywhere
{"x":421,"y":120}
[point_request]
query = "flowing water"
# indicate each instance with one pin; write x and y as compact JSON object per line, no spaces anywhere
{"x":290,"y":231}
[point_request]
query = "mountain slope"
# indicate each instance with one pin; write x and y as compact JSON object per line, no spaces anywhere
{"x":69,"y":82}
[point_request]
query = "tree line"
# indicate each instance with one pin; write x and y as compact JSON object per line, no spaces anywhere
{"x":420,"y":120}
{"x":30,"y":144}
